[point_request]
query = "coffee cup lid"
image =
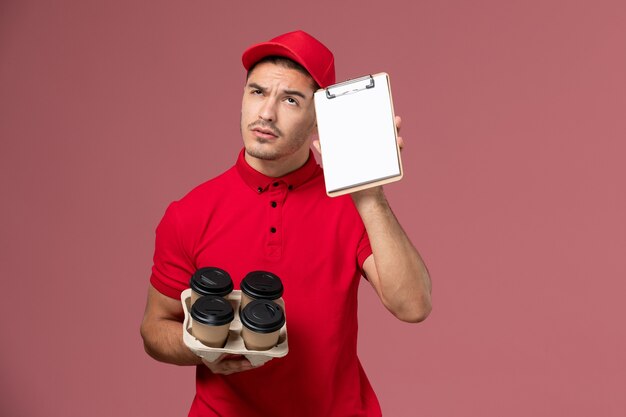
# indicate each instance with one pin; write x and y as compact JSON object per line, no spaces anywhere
{"x":211,"y":281}
{"x":212,"y":310}
{"x":263,"y":316}
{"x":262,"y":284}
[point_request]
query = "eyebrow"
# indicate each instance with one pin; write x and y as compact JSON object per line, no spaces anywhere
{"x":256,"y":86}
{"x":295,"y":93}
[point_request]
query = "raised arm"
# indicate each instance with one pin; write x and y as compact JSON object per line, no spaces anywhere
{"x":395,"y":269}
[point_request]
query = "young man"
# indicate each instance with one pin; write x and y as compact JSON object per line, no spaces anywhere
{"x":270,"y":212}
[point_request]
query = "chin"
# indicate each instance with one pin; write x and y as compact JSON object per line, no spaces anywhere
{"x":264,"y":154}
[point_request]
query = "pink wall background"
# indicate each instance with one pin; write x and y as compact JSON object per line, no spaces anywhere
{"x":514,"y":119}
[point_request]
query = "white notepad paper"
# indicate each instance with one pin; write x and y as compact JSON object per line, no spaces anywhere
{"x":357,"y":133}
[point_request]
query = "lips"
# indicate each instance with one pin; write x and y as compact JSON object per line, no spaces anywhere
{"x":264,"y":133}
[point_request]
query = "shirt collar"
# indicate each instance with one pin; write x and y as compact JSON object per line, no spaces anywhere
{"x":260,"y":182}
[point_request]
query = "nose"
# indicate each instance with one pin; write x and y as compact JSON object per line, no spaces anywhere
{"x":267,"y":111}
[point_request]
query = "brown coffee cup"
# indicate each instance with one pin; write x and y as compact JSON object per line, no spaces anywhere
{"x":260,"y":285}
{"x":211,"y":317}
{"x":261,"y":323}
{"x":210,"y":281}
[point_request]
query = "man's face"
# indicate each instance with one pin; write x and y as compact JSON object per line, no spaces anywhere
{"x":277,"y":113}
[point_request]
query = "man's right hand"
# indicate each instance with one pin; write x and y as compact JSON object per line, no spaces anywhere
{"x":228,"y":364}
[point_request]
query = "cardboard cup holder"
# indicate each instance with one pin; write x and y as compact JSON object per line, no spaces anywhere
{"x":234,"y":343}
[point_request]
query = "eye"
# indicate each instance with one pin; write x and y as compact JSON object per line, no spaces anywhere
{"x":292,"y":101}
{"x":256,"y":92}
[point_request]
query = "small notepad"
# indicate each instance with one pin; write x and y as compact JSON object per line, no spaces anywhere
{"x":357,"y":134}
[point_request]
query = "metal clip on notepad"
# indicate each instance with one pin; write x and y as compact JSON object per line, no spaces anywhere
{"x":350,"y":86}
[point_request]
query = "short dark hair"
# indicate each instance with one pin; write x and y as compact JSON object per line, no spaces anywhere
{"x":284,"y":62}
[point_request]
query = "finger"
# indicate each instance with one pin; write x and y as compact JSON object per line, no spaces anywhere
{"x":398,"y":121}
{"x":232,"y":356}
{"x":236,"y":365}
{"x":400,"y":142}
{"x":226,"y":365}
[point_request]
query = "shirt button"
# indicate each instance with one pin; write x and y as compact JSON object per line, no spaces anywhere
{"x":274,"y":204}
{"x":275,"y":184}
{"x":290,"y":187}
{"x":259,"y":190}
{"x":273,"y":229}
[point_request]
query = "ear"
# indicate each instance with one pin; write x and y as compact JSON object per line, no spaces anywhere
{"x":316,"y":141}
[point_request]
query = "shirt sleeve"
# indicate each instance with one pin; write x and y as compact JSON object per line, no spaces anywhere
{"x":172,"y":267}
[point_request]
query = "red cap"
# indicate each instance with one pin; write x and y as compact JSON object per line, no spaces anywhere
{"x":300,"y":47}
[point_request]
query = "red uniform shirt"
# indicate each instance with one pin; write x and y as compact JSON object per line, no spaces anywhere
{"x":243,"y":221}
